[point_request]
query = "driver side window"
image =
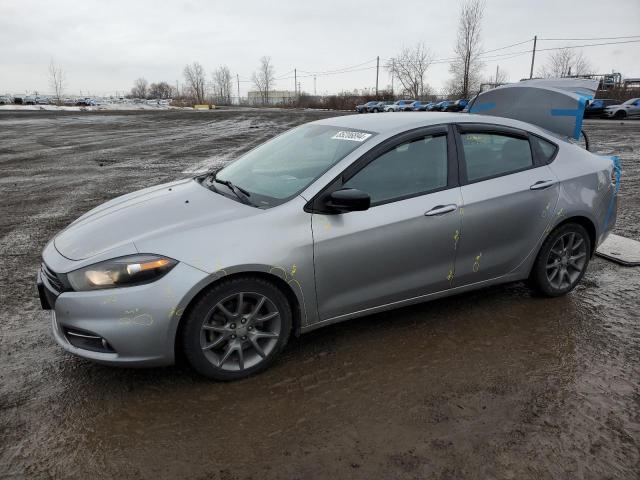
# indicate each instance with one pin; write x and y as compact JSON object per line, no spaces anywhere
{"x":409,"y":169}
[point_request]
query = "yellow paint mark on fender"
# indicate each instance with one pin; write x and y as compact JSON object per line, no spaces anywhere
{"x":476,"y":264}
{"x":545,"y":212}
{"x":456,"y":237}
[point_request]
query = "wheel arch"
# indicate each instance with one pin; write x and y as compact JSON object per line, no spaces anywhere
{"x":587,"y":224}
{"x":279,"y":282}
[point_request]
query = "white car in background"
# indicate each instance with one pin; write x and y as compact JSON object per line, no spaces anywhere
{"x":630,"y":108}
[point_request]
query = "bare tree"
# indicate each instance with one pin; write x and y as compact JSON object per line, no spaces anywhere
{"x":409,"y":68}
{"x":161,"y":90}
{"x":564,"y":63}
{"x":194,"y":76}
{"x":501,"y":77}
{"x":57,"y":80}
{"x":467,"y":66}
{"x":222,"y":85}
{"x":140,"y":88}
{"x":264,"y":78}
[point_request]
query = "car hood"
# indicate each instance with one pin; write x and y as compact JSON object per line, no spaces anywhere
{"x":145,"y":214}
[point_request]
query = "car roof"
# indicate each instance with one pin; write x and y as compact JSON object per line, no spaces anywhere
{"x":397,"y":123}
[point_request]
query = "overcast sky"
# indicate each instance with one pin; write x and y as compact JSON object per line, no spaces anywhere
{"x":103,"y":46}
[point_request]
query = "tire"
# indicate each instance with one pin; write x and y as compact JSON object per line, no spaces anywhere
{"x":562,"y":261}
{"x":375,"y":110}
{"x":620,"y":114}
{"x":224,"y":342}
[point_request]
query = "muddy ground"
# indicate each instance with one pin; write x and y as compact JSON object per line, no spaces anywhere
{"x":493,"y":384}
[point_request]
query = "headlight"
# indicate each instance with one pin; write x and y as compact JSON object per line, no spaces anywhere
{"x":121,"y":272}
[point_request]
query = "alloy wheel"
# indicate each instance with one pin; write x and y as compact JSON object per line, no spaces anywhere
{"x":240,"y":331}
{"x":566,"y":261}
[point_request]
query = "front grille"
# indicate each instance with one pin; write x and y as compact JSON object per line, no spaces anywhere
{"x":52,"y":278}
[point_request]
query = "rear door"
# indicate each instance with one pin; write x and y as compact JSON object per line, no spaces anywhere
{"x":404,"y":245}
{"x":509,"y":195}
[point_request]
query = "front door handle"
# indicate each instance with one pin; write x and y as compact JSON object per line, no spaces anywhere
{"x":441,"y":210}
{"x":542,"y":184}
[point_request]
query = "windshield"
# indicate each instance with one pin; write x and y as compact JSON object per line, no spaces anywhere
{"x":284,"y":166}
{"x":631,"y":101}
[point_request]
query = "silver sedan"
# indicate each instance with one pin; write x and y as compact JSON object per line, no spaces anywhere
{"x":335,"y":219}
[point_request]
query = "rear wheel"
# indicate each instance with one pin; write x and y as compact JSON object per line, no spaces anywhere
{"x":562,"y":260}
{"x":236,"y":329}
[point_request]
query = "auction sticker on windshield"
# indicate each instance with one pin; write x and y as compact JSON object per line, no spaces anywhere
{"x":353,"y":136}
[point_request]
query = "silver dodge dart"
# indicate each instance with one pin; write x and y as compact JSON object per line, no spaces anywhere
{"x":332,"y":220}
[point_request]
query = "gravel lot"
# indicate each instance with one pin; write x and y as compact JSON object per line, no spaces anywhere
{"x":493,"y":384}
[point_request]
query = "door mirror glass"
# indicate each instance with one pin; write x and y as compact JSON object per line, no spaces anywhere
{"x":348,"y":200}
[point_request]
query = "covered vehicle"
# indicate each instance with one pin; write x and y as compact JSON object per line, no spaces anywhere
{"x":557,"y":104}
{"x":224,"y":267}
{"x":630,"y":108}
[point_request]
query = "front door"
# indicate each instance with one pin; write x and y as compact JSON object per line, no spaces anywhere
{"x":404,"y":245}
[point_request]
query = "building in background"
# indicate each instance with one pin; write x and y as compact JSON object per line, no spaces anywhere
{"x":275,"y":97}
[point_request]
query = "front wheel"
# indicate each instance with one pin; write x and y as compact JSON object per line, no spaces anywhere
{"x":620,"y":114}
{"x":236,"y":329}
{"x":562,"y":260}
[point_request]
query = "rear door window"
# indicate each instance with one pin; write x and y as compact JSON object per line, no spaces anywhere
{"x":489,"y":155}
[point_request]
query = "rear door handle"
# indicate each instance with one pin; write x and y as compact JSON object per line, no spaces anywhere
{"x":441,"y":210}
{"x":542,"y":184}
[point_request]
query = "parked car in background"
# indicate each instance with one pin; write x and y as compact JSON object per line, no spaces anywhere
{"x":630,"y":108}
{"x":42,"y":101}
{"x":400,"y":106}
{"x":364,"y":108}
{"x":4,"y":100}
{"x":305,"y":218}
{"x":424,"y":106}
{"x":438,"y":107}
{"x":376,"y":107}
{"x":456,"y":106}
{"x":86,"y":102}
{"x":28,"y":100}
{"x":595,"y":108}
{"x":415,"y":106}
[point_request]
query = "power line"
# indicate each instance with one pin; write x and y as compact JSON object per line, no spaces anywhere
{"x":337,"y":70}
{"x":508,"y":46}
{"x":593,"y":38}
{"x":587,"y":45}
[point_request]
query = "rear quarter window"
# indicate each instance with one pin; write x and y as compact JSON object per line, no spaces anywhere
{"x":545,"y":150}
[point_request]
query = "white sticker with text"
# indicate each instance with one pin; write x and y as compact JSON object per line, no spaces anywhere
{"x":353,"y":136}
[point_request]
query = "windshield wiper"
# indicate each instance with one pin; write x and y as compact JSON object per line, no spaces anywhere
{"x":239,"y":192}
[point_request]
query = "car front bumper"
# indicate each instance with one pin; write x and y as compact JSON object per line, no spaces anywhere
{"x":132,"y":326}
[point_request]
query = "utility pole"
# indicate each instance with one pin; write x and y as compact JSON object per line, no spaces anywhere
{"x":295,"y":82}
{"x":377,"y":71}
{"x":497,"y":67}
{"x":533,"y":55}
{"x":314,"y":86}
{"x":238,"y":82}
{"x":393,"y":70}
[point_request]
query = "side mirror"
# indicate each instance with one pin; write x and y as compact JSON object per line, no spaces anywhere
{"x":348,"y":200}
